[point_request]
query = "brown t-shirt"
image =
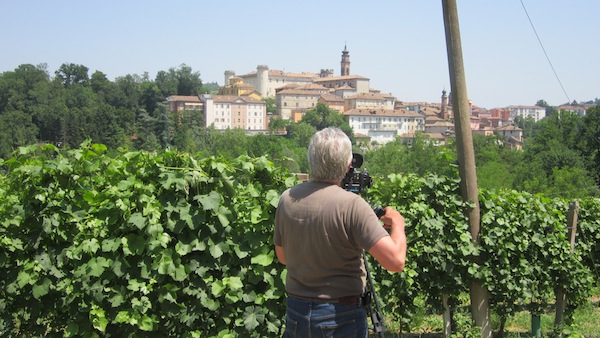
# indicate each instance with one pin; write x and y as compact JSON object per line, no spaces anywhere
{"x":323,"y":230}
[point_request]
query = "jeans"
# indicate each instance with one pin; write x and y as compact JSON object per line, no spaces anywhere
{"x":308,"y":319}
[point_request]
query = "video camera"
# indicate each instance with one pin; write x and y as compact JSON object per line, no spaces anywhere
{"x":357,"y":181}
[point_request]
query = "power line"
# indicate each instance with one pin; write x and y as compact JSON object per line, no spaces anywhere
{"x":547,"y":58}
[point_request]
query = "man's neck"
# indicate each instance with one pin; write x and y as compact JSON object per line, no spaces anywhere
{"x":336,"y":182}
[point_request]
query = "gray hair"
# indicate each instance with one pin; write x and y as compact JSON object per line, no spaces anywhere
{"x":329,"y":155}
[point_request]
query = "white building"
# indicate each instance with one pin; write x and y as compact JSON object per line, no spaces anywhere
{"x":370,"y":100}
{"x":268,"y":81}
{"x":535,"y":112}
{"x":384,"y":125}
{"x":224,"y":112}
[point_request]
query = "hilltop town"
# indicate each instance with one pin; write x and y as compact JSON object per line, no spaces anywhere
{"x":373,"y":115}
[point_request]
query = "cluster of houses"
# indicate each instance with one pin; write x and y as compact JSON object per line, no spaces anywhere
{"x":373,"y":116}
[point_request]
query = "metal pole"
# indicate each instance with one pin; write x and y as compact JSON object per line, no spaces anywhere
{"x":466,"y":153}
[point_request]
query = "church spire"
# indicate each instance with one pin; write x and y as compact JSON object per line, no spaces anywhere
{"x":345,"y":69}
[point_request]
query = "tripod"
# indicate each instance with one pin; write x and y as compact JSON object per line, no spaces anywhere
{"x":371,"y":296}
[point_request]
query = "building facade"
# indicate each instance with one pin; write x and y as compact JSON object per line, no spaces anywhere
{"x":369,"y":100}
{"x":177,"y":103}
{"x":534,"y":112}
{"x":384,"y":125}
{"x":228,"y":112}
{"x":292,"y":103}
{"x":268,"y":81}
{"x":512,"y":135}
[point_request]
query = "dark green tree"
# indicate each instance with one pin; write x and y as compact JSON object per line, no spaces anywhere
{"x":590,"y":141}
{"x":271,"y":105}
{"x":556,"y":142}
{"x":543,"y":103}
{"x":16,"y":87}
{"x":300,"y":133}
{"x":180,"y":81}
{"x":145,"y":132}
{"x":526,"y":124}
{"x":422,"y":157}
{"x":128,"y":92}
{"x":495,"y":162}
{"x":322,"y":117}
{"x":277,"y":123}
{"x":164,"y":126}
{"x":16,"y":129}
{"x":71,"y":74}
{"x":150,"y":96}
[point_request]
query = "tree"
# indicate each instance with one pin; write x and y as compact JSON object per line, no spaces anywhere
{"x":300,"y":133}
{"x":421,"y":158}
{"x":527,"y":125}
{"x":590,"y":141}
{"x":322,"y":117}
{"x":99,"y":82}
{"x":164,"y":126}
{"x":277,"y":123}
{"x":181,"y":81}
{"x":543,"y":103}
{"x":145,"y":127}
{"x":16,"y":86}
{"x":150,"y":96}
{"x":128,"y":92}
{"x":71,"y":74}
{"x":556,"y":142}
{"x":271,"y":106}
{"x":16,"y":129}
{"x":188,"y":82}
{"x":572,"y":182}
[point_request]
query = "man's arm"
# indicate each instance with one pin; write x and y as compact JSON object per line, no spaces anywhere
{"x":280,"y":254}
{"x":390,"y":251}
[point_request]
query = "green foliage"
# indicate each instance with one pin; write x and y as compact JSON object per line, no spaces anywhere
{"x":421,"y":158}
{"x":321,"y":117}
{"x":590,"y":141}
{"x":523,"y":255}
{"x":138,"y":245}
{"x":168,"y":244}
{"x":271,"y":105}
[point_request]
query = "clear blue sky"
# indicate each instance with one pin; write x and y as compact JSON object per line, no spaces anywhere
{"x":398,"y":44}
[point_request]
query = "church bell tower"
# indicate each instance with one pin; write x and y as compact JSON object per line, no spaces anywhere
{"x":345,"y":62}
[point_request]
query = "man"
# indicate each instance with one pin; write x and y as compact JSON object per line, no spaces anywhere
{"x":320,"y":233}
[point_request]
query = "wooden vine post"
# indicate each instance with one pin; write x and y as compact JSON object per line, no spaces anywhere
{"x":480,"y":308}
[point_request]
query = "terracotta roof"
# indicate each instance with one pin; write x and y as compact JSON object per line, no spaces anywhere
{"x":337,"y":78}
{"x":231,"y":98}
{"x":332,"y":98}
{"x":312,"y":86}
{"x":300,"y":92}
{"x":381,"y":112}
{"x":509,"y":128}
{"x":194,"y":98}
{"x":433,"y":118}
{"x":372,"y":96}
{"x":280,"y":73}
{"x":528,"y":107}
{"x":439,"y":124}
{"x":345,"y":87}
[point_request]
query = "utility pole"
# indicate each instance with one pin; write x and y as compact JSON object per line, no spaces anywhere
{"x":480,"y":308}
